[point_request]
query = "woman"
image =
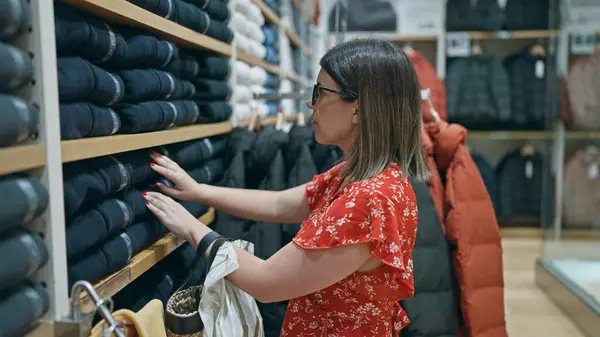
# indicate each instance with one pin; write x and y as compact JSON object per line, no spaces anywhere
{"x":351,"y":261}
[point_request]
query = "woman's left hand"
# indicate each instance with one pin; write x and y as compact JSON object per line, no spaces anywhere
{"x":173,"y":215}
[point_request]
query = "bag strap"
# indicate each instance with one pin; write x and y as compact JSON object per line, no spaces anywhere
{"x":203,"y":246}
{"x":211,"y":257}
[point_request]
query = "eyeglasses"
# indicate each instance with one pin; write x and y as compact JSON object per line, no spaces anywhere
{"x":317,"y":88}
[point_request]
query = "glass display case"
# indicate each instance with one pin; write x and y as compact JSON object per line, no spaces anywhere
{"x":569,"y":267}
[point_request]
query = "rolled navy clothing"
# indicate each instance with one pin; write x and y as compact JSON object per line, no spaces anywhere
{"x":214,"y":112}
{"x":80,"y":80}
{"x":149,"y":84}
{"x":211,"y":90}
{"x":28,"y":200}
{"x":188,"y":90}
{"x":90,"y":267}
{"x":157,"y":115}
{"x":83,"y":120}
{"x":16,"y":68}
{"x":185,"y":66}
{"x":20,"y":120}
{"x":80,"y":34}
{"x":20,"y":307}
{"x":91,"y":227}
{"x":198,"y":20}
{"x":137,"y":203}
{"x":213,"y":67}
{"x":216,"y":9}
{"x":196,"y":152}
{"x":118,"y":251}
{"x":163,"y":8}
{"x":147,"y":52}
{"x":25,"y":254}
{"x":14,"y":19}
{"x":212,"y":171}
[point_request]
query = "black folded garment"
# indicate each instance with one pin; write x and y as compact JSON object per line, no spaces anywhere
{"x":16,"y":68}
{"x":83,"y":120}
{"x":216,"y":9}
{"x":150,"y":84}
{"x":163,"y":8}
{"x":26,"y":253}
{"x":92,"y":226}
{"x":14,"y":19}
{"x":196,"y":19}
{"x":213,"y":67}
{"x":214,"y":112}
{"x":157,"y":115}
{"x":137,"y":203}
{"x":21,"y":307}
{"x":79,"y":80}
{"x":196,"y":152}
{"x":27,"y":200}
{"x":210,"y":172}
{"x":87,"y":36}
{"x":185,"y":66}
{"x":90,"y":267}
{"x":211,"y":90}
{"x":146,"y":52}
{"x":19,"y":120}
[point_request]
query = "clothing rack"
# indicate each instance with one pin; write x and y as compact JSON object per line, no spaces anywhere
{"x":44,"y":155}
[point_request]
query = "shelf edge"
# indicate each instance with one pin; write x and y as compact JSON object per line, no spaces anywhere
{"x":21,"y":157}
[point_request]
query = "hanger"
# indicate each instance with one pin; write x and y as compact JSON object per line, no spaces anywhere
{"x":538,"y":50}
{"x":426,"y":96}
{"x":254,"y":123}
{"x":279,"y":121}
{"x":527,"y":150}
{"x":301,"y":119}
{"x":476,"y":48}
{"x":408,"y":48}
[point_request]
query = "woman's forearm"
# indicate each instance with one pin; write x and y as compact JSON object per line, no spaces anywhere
{"x":255,"y":205}
{"x":289,"y":206}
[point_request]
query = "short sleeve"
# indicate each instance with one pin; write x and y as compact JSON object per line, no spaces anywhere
{"x":315,"y":189}
{"x":387,"y":223}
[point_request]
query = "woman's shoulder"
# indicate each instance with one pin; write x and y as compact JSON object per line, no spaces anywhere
{"x":389,"y":184}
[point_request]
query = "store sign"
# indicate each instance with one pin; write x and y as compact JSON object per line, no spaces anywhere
{"x":458,"y":44}
{"x":582,"y":15}
{"x":420,"y":18}
{"x":583,"y":43}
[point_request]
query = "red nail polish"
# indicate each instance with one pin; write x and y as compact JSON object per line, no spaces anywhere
{"x":144,"y":193}
{"x":152,"y":164}
{"x":157,"y":184}
{"x":147,"y":202}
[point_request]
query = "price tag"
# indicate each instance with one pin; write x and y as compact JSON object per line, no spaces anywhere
{"x":593,"y":171}
{"x":583,"y":42}
{"x":503,"y":34}
{"x":458,"y":44}
{"x":529,"y":169}
{"x":539,"y":69}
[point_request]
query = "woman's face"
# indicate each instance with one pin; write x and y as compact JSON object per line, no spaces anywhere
{"x":333,"y":119}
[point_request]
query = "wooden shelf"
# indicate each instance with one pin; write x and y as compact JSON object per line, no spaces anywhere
{"x":271,"y":16}
{"x":508,"y":135}
{"x":121,"y":11}
{"x":512,"y":35}
{"x":140,"y":264}
{"x":78,"y":149}
{"x":582,"y":135}
{"x":21,"y":157}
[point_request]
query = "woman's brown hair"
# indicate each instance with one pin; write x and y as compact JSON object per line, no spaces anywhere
{"x":382,"y":77}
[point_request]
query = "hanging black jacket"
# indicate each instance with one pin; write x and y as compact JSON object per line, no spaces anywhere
{"x":431,"y":310}
{"x":526,"y":14}
{"x":462,"y":15}
{"x":527,"y":76}
{"x":300,"y":167}
{"x":363,"y":15}
{"x":325,"y":156}
{"x":478,"y":92}
{"x":488,"y":174}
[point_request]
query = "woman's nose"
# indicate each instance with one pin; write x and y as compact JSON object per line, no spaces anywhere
{"x":309,"y":105}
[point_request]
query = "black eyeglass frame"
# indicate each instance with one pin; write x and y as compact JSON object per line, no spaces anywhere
{"x":343,"y":94}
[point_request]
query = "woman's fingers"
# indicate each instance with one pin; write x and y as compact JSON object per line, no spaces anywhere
{"x":156,"y":211}
{"x":164,"y":161}
{"x":156,"y":200}
{"x":168,"y":190}
{"x":165,"y":172}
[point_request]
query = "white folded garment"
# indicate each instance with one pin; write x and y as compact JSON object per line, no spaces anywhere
{"x":241,"y":94}
{"x":255,"y":32}
{"x":258,"y":75}
{"x":241,"y":111}
{"x":243,"y":73}
{"x":257,"y":49}
{"x":242,"y":42}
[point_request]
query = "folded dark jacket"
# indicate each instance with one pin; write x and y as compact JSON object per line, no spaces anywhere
{"x":82,"y":120}
{"x":196,"y":152}
{"x":185,"y":66}
{"x":28,"y":199}
{"x":144,"y":51}
{"x":213,"y":67}
{"x":26,"y":253}
{"x":157,"y":115}
{"x":210,"y":172}
{"x":216,"y":9}
{"x":14,"y":19}
{"x":19,"y":120}
{"x":93,"y":226}
{"x":21,"y":307}
{"x":214,"y":112}
{"x":150,"y":84}
{"x":211,"y":90}
{"x":87,"y":36}
{"x":196,"y":19}
{"x":163,"y":8}
{"x":16,"y":68}
{"x":79,"y":80}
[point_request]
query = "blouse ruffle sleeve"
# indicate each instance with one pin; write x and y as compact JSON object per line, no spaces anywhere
{"x":388,"y":223}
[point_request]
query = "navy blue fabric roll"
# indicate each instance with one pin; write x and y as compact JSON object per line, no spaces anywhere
{"x":28,"y":199}
{"x":87,"y":36}
{"x":184,"y":66}
{"x":14,"y":19}
{"x":196,"y":152}
{"x":213,"y":67}
{"x":79,"y":80}
{"x":211,"y":90}
{"x":146,"y":51}
{"x":214,"y":112}
{"x":82,"y":120}
{"x":20,"y":307}
{"x":26,"y":254}
{"x":19,"y":120}
{"x":216,"y":9}
{"x":90,"y":267}
{"x":157,"y":115}
{"x":16,"y":68}
{"x":150,"y":84}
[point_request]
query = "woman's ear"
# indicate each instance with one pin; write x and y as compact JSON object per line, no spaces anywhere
{"x":355,"y":112}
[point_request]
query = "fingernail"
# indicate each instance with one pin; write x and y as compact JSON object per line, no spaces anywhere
{"x":144,"y":193}
{"x":152,"y":164}
{"x":157,"y":184}
{"x":154,"y":153}
{"x":147,"y":202}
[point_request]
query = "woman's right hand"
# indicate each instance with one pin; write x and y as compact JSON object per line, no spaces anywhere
{"x":186,"y":188}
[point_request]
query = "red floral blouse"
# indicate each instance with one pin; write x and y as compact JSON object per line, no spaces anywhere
{"x":382,"y":211}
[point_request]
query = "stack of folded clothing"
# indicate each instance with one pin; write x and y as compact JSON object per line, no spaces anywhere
{"x":114,"y":79}
{"x":107,"y":218}
{"x":271,"y":42}
{"x":209,"y":17}
{"x":246,"y":20}
{"x":22,"y":302}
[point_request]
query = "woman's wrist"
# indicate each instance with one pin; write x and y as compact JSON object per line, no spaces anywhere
{"x":196,"y":234}
{"x":200,"y":193}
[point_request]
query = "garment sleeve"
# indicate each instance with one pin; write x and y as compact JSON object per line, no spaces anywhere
{"x":317,"y":186}
{"x":388,"y":224}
